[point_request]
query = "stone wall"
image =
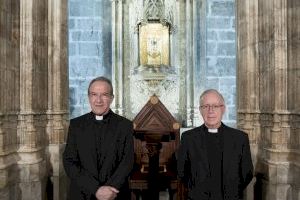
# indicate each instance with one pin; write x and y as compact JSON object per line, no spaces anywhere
{"x":89,"y":49}
{"x":221,"y":54}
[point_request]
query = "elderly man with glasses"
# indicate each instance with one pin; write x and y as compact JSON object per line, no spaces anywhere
{"x":214,"y":160}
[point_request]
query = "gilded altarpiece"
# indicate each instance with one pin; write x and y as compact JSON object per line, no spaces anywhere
{"x":152,"y":40}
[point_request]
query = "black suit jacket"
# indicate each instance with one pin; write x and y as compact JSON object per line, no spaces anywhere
{"x":193,"y":167}
{"x":90,"y":165}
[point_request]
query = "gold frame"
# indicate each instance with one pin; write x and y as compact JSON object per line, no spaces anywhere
{"x":154,"y":44}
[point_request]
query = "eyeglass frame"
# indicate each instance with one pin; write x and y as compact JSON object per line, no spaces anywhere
{"x":211,"y":107}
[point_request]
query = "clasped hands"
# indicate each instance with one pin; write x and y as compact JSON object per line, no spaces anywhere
{"x":106,"y":193}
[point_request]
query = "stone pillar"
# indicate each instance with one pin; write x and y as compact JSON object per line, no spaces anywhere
{"x":189,"y":63}
{"x":117,"y":55}
{"x":33,"y":97}
{"x":9,"y":98}
{"x":247,"y":73}
{"x":180,"y":63}
{"x":57,"y":112}
{"x":200,"y":55}
{"x":267,"y":95}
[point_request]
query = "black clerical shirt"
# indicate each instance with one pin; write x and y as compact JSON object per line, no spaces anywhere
{"x":99,"y":134}
{"x":214,"y":143}
{"x":99,"y":130}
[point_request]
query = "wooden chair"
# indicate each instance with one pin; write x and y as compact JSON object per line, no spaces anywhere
{"x":156,"y":140}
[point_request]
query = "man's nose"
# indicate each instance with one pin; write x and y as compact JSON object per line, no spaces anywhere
{"x":99,"y":98}
{"x":211,"y":108}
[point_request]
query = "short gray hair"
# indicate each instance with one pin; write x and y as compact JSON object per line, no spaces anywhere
{"x":211,"y":91}
{"x":104,"y":79}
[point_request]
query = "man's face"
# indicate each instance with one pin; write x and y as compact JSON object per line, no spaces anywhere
{"x":100,"y":97}
{"x":212,"y":109}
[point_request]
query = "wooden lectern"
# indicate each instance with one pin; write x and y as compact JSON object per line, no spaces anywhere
{"x":155,"y":143}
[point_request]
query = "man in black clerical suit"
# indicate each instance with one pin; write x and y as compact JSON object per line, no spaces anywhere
{"x":214,"y":160}
{"x":99,"y":152}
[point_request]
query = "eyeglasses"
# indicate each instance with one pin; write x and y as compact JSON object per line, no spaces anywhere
{"x":104,"y":96}
{"x":210,"y":107}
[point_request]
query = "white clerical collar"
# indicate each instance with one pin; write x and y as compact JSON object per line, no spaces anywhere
{"x":212,"y":130}
{"x":98,"y":117}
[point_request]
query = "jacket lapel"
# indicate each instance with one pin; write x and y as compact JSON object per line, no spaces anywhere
{"x":203,"y":149}
{"x":227,"y":149}
{"x":109,"y":128}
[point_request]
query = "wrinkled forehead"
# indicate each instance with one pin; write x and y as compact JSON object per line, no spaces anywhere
{"x":212,"y":98}
{"x":99,"y":84}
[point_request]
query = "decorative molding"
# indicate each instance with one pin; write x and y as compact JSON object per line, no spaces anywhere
{"x":161,"y":11}
{"x":155,"y":116}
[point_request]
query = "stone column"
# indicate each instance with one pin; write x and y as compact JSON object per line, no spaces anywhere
{"x":117,"y":55}
{"x":267,"y":95}
{"x":9,"y":98}
{"x":247,"y":78}
{"x":57,"y":112}
{"x":180,"y":63}
{"x":33,"y":97}
{"x":200,"y":56}
{"x":248,"y":84}
{"x":189,"y":63}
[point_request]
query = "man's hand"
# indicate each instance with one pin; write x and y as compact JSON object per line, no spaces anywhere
{"x":106,"y":193}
